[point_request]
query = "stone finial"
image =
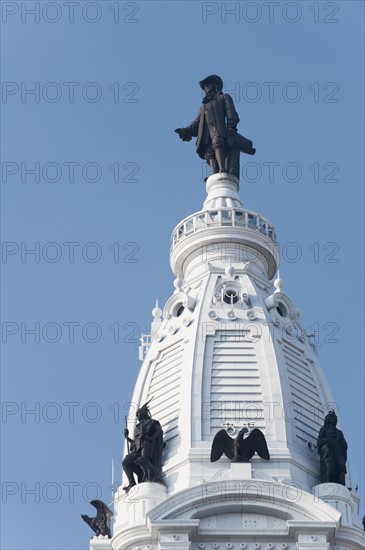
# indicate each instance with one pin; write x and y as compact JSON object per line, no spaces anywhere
{"x":156,"y":312}
{"x":230,"y":271}
{"x":278,"y":284}
{"x":178,"y":284}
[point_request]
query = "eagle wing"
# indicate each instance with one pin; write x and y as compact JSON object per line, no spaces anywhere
{"x":255,"y":443}
{"x":104,"y":513}
{"x":222,"y":443}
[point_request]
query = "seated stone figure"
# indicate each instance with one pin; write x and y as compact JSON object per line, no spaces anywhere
{"x":145,"y":450}
{"x":332,"y":449}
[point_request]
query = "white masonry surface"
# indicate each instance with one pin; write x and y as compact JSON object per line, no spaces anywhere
{"x":229,"y":350}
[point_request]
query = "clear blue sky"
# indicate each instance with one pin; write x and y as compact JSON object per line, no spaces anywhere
{"x":112,"y":81}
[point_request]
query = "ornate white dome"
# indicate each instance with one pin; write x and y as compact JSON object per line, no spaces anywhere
{"x":230,"y":351}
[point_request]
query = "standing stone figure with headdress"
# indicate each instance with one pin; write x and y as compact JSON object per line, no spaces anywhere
{"x":332,"y":448}
{"x":144,"y":451}
{"x":215,"y":129}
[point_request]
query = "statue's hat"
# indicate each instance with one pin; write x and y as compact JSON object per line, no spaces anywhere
{"x":212,"y":78}
{"x":145,"y":407}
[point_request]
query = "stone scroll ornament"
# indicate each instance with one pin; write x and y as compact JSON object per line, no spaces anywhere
{"x":239,"y":449}
{"x":144,"y":456}
{"x":100,"y":524}
{"x":332,"y":449}
{"x":215,"y":128}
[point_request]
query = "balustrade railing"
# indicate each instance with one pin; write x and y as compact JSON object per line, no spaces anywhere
{"x":223,"y":217}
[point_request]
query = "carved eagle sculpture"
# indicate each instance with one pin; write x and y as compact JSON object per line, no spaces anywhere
{"x":239,"y":449}
{"x":101,"y":522}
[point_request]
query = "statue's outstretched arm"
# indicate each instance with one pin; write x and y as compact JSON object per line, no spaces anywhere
{"x":194,"y":126}
{"x":189,"y":131}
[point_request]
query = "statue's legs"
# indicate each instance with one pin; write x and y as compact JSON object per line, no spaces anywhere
{"x":211,"y":160}
{"x":341,"y":477}
{"x":329,"y":470}
{"x":333,"y":467}
{"x":150,"y":460}
{"x":221,"y":157}
{"x":213,"y":165}
{"x":130,"y":467}
{"x":233,"y":162}
{"x":340,"y":471}
{"x":219,"y":147}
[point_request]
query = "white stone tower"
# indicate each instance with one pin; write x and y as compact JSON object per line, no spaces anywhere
{"x":229,"y":350}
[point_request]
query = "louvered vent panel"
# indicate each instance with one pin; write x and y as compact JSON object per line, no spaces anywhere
{"x":235,"y":389}
{"x":306,"y":408}
{"x":165,"y":390}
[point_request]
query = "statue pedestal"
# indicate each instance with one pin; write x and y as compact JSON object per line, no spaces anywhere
{"x":130,"y":509}
{"x":100,"y":543}
{"x":222,"y":192}
{"x":241,"y":470}
{"x":337,"y":496}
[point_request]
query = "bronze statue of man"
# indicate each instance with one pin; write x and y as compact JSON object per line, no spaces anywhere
{"x":332,"y":448}
{"x":216,"y":130}
{"x":144,"y":451}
